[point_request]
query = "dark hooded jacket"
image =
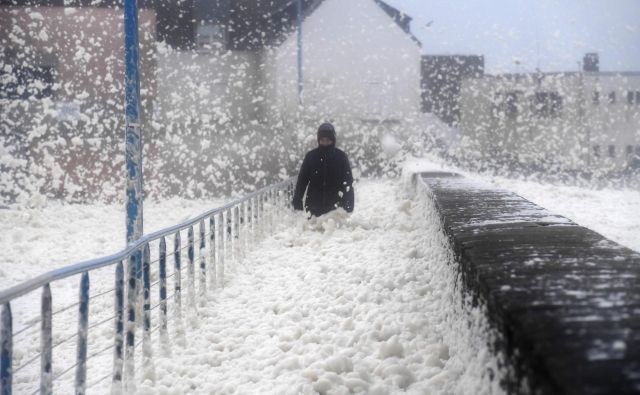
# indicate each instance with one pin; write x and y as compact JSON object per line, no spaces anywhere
{"x":325,"y":174}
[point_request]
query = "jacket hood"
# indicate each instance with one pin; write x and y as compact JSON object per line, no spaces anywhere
{"x":327,"y":130}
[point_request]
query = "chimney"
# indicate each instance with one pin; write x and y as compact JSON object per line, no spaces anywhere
{"x":591,"y":62}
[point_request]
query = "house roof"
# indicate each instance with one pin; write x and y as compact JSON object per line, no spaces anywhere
{"x":251,"y":24}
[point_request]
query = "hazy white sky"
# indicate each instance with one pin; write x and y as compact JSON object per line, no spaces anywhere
{"x":550,"y":34}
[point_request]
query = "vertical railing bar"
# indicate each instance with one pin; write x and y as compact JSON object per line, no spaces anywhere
{"x":46,"y":342}
{"x":212,"y":251}
{"x":261,"y":214}
{"x":130,"y":327}
{"x":236,"y":236}
{"x":162,"y":262}
{"x":223,"y":246}
{"x":146,"y":284}
{"x":191,"y":268}
{"x":203,"y":264}
{"x":228,"y":244}
{"x":83,"y":322}
{"x":116,"y":384}
{"x":6,"y":351}
{"x":249,"y":229}
{"x":177,"y":258}
{"x":243,"y":223}
{"x":272,"y":205}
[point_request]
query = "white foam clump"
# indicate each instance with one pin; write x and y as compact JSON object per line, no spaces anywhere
{"x":364,"y":302}
{"x":335,"y":305}
{"x":391,"y":348}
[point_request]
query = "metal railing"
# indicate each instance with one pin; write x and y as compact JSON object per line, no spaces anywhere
{"x":224,"y":230}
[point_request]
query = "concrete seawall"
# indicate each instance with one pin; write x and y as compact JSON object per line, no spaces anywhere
{"x":564,"y":299}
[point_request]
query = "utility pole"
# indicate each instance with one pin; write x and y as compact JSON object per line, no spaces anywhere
{"x":133,"y":142}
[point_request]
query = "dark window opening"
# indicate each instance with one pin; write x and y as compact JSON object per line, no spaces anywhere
{"x":629,"y":150}
{"x":547,"y":104}
{"x":211,"y":36}
{"x":637,"y":97}
{"x":23,"y":82}
{"x":629,"y":97}
{"x":612,"y":97}
{"x":506,"y":105}
{"x":595,"y":98}
{"x":612,"y":151}
{"x":596,"y":151}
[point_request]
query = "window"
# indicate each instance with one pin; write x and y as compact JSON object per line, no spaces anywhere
{"x":547,"y":104}
{"x":506,"y":105}
{"x":637,"y":97}
{"x":612,"y":97}
{"x":629,"y":97}
{"x":22,"y":82}
{"x":211,"y":36}
{"x":596,"y":151}
{"x":629,"y":150}
{"x":612,"y":151}
{"x":595,"y":98}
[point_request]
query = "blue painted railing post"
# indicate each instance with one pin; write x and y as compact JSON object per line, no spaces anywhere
{"x":6,"y":350}
{"x":177,"y":262}
{"x":271,"y":207}
{"x":203,"y":264}
{"x":130,"y":327}
{"x":250,"y":239}
{"x":46,"y":342}
{"x":190,"y":268}
{"x":291,"y":191}
{"x":146,"y":315}
{"x":133,"y":147}
{"x":236,"y":234}
{"x":118,"y":356}
{"x":222,"y":245}
{"x":212,"y":251}
{"x":163,"y":287}
{"x":83,"y":323}
{"x":228,"y":246}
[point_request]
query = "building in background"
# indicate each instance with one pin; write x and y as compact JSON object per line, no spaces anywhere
{"x":360,"y":62}
{"x":219,"y":87}
{"x":584,"y":121}
{"x":441,"y":79}
{"x":62,"y":90}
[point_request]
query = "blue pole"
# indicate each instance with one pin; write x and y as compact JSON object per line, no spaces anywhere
{"x":299,"y":22}
{"x":133,"y":150}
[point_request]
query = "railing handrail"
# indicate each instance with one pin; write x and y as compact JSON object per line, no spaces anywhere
{"x":23,"y":288}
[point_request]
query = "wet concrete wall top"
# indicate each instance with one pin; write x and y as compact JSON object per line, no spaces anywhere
{"x":565,"y":300}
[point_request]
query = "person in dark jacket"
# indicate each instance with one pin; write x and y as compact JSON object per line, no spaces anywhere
{"x":325,"y":175}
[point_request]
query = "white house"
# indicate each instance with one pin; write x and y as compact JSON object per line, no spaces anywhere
{"x":359,"y":62}
{"x":577,"y":121}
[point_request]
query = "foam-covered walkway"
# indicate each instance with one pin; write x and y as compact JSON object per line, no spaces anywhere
{"x":362,"y":303}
